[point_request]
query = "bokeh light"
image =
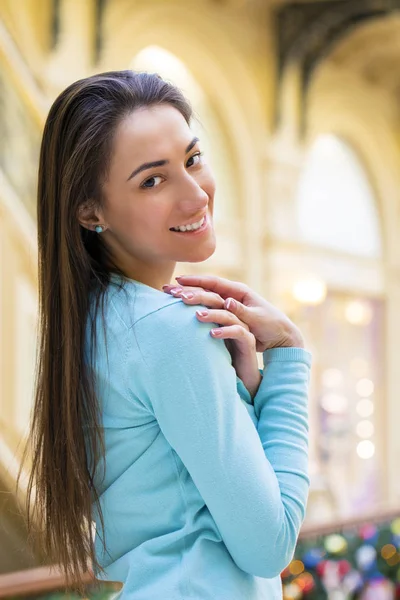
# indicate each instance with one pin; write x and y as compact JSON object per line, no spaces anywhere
{"x":365,"y":449}
{"x":365,"y":429}
{"x":365,"y":388}
{"x":365,"y":408}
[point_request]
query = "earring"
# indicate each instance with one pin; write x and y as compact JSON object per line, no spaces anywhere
{"x":98,"y":229}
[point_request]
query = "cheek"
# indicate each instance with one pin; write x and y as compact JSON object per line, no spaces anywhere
{"x":139,"y":217}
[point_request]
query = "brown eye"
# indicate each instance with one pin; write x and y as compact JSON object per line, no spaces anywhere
{"x":150,"y":182}
{"x":194,"y":162}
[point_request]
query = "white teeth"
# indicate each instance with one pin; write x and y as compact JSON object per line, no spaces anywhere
{"x":191,"y":227}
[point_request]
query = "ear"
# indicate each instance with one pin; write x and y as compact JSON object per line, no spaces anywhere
{"x":90,"y":215}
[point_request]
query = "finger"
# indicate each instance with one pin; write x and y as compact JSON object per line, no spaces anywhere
{"x":242,"y":337}
{"x":195,"y":295}
{"x":237,"y":308}
{"x":221,"y":317}
{"x":220,"y":285}
{"x":176,"y":290}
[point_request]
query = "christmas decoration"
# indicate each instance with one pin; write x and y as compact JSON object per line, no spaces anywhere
{"x":358,"y":563}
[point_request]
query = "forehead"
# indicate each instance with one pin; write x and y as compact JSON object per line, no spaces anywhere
{"x":152,"y":133}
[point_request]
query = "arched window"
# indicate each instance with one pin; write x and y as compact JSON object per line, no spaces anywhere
{"x":336,"y":207}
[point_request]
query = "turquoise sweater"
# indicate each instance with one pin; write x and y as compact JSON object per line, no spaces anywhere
{"x":204,"y":490}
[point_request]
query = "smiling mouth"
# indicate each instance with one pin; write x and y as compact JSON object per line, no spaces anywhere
{"x":192,"y":227}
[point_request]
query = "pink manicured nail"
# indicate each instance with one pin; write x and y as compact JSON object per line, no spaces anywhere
{"x":176,"y":290}
{"x":187,"y":295}
{"x":202,"y":313}
{"x":216,"y":332}
{"x":230,"y":303}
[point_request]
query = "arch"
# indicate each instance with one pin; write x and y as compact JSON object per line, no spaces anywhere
{"x":344,"y":106}
{"x":335,"y":204}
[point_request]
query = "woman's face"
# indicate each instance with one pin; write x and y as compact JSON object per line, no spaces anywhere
{"x":157,"y":181}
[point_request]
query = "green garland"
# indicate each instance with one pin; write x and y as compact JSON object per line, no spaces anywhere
{"x":353,"y":561}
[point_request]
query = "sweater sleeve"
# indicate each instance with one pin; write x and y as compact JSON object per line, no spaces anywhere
{"x":253,"y":478}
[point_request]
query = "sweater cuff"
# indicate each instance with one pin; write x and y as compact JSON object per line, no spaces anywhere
{"x":287,"y":354}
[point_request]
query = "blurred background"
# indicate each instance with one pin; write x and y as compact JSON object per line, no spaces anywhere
{"x":298,"y":110}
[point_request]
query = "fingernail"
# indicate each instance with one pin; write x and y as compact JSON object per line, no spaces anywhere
{"x":216,"y":332}
{"x":187,"y":295}
{"x":179,"y":276}
{"x":176,"y":290}
{"x":230,"y":304}
{"x":167,"y":285}
{"x":202,"y":313}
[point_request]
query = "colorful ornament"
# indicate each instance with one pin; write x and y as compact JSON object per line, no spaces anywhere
{"x":365,"y":557}
{"x":313,"y":557}
{"x":395,"y":527}
{"x":379,"y":590}
{"x":369,"y":532}
{"x":335,"y":544}
{"x":291,"y":592}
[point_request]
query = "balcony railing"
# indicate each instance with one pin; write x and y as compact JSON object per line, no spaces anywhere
{"x":44,"y":580}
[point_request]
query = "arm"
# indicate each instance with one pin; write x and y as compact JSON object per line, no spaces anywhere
{"x":281,"y":407}
{"x":190,"y":386}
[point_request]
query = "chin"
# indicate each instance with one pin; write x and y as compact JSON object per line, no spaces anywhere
{"x":199,"y":254}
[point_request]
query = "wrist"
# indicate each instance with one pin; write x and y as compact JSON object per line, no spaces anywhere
{"x":253,"y":387}
{"x":294,"y":341}
{"x":293,"y":337}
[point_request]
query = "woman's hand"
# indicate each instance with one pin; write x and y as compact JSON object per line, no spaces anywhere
{"x":240,"y":343}
{"x":270,"y":326}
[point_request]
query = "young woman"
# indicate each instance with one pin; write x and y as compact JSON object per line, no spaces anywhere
{"x":151,"y":417}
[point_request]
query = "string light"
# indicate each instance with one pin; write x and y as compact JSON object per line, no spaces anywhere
{"x":358,"y":313}
{"x":388,"y":551}
{"x":296,"y":567}
{"x":365,"y":449}
{"x":365,"y":408}
{"x":365,"y":429}
{"x":365,"y":388}
{"x":332,"y":378}
{"x":334,"y":403}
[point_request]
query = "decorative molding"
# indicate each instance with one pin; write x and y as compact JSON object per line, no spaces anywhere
{"x":13,"y":209}
{"x":55,"y":23}
{"x":100,"y":6}
{"x":20,"y":77}
{"x":19,"y":150}
{"x":308,"y":31}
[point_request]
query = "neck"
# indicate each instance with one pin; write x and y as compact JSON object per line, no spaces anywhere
{"x":154,"y":276}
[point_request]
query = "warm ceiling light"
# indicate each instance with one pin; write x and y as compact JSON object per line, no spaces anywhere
{"x":310,"y":290}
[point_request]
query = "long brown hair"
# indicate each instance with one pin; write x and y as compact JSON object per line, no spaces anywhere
{"x":73,"y":262}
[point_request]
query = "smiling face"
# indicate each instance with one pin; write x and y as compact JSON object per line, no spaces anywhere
{"x":157,"y":181}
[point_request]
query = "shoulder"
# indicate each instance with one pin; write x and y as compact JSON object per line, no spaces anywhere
{"x":175,"y":319}
{"x":173,"y":334}
{"x":159,"y":326}
{"x":131,"y":302}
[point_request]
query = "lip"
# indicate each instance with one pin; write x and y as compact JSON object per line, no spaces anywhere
{"x":196,"y":231}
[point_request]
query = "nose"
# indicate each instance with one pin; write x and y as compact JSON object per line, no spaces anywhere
{"x":193,"y":197}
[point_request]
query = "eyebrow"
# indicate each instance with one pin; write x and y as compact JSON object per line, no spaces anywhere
{"x":159,"y":163}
